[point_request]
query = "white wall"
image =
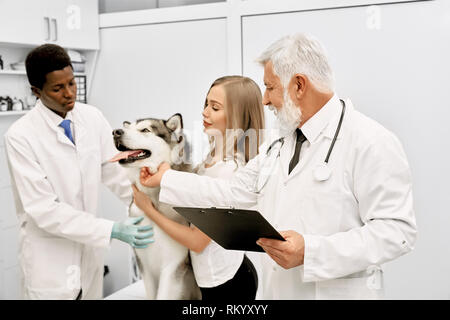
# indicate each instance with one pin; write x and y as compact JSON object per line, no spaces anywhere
{"x":157,"y":70}
{"x":154,"y":70}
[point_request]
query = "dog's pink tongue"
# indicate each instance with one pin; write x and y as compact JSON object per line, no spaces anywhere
{"x":124,"y":155}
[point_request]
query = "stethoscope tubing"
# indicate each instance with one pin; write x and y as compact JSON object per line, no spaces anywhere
{"x":330,"y":149}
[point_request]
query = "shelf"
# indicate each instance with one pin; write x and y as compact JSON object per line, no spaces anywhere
{"x":17,"y":72}
{"x":23,"y":73}
{"x":12,"y":113}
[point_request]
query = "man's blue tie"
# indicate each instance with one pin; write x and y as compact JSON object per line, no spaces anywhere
{"x":66,"y":125}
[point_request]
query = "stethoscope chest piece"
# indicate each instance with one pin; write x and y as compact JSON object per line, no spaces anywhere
{"x":322,"y":172}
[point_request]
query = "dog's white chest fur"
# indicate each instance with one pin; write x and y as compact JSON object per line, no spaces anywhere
{"x":164,"y":265}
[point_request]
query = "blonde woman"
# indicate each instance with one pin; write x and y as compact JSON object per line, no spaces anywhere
{"x":232,"y":118}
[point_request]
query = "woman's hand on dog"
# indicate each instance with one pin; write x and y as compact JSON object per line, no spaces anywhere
{"x":141,"y":200}
{"x":150,"y":180}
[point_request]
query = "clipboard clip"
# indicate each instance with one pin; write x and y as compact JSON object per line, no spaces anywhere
{"x":222,"y":208}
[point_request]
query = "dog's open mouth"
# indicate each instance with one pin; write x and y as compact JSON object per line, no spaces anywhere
{"x":129,"y":156}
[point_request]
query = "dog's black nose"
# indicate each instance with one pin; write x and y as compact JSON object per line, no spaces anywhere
{"x":117,"y":132}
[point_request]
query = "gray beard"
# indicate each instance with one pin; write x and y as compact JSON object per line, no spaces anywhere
{"x":288,"y":117}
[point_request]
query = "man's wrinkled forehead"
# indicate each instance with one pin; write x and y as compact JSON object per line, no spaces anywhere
{"x":59,"y":77}
{"x":270,"y":78}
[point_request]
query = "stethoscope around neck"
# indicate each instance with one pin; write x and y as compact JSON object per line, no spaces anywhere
{"x":321,"y":172}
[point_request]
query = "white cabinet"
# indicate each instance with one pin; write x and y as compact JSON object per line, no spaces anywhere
{"x":74,"y":23}
{"x":22,"y":22}
{"x":68,"y":23}
{"x":25,"y":24}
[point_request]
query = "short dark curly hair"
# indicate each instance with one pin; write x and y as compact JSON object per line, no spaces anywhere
{"x":43,"y":60}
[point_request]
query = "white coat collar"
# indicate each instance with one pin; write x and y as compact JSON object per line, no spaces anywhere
{"x":319,"y":122}
{"x":330,"y":129}
{"x":52,"y":118}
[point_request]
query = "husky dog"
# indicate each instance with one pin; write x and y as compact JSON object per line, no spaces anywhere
{"x":164,"y":264}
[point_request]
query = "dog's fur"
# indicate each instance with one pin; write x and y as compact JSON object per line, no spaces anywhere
{"x":164,"y":265}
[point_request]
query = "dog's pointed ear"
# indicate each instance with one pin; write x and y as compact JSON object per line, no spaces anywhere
{"x":175,"y":124}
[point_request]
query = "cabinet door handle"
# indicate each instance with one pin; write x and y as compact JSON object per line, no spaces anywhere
{"x":47,"y":19}
{"x":55,"y":25}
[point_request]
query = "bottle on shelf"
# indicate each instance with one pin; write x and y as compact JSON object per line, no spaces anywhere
{"x":17,"y":105}
{"x":3,"y":105}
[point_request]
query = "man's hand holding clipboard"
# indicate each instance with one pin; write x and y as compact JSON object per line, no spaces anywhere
{"x":232,"y":229}
{"x":289,"y":253}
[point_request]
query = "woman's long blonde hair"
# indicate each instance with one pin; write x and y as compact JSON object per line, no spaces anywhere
{"x":244,"y":111}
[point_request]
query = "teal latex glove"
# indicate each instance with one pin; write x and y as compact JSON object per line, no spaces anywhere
{"x":138,"y":237}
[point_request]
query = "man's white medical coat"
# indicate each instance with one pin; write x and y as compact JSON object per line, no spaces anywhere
{"x":56,"y":188}
{"x":358,"y":219}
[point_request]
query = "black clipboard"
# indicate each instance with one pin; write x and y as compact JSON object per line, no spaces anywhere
{"x":233,"y":229}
